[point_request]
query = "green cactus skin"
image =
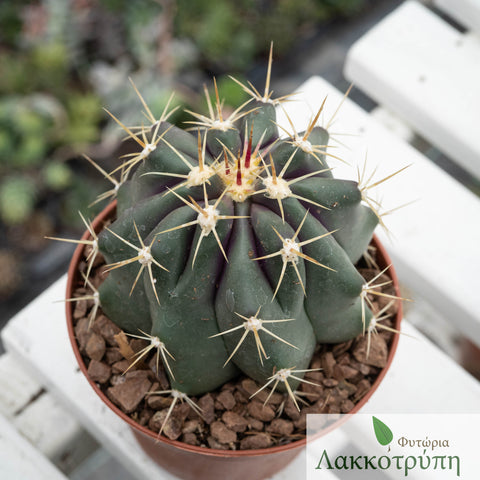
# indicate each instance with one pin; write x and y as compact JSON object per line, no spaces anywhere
{"x":266,"y":192}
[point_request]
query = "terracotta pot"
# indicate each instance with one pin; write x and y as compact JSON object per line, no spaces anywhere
{"x":199,"y":463}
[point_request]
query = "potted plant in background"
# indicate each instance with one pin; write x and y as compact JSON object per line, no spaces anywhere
{"x":232,"y":288}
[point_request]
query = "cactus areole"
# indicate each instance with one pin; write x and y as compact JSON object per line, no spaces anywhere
{"x":234,"y":247}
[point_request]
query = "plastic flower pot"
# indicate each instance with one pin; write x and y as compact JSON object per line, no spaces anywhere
{"x":201,"y":463}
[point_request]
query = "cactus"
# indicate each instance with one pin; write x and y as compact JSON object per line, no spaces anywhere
{"x":233,"y":249}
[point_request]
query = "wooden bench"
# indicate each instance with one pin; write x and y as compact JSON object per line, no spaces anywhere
{"x":465,"y":12}
{"x":40,"y":429}
{"x":428,"y":73}
{"x":418,"y":66}
{"x":20,"y":460}
{"x":420,"y":371}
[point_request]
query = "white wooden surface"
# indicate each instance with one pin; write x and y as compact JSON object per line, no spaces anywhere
{"x":435,"y":241}
{"x":18,"y":388}
{"x":19,"y":460}
{"x":424,"y":70}
{"x":465,"y":12}
{"x":40,"y":420}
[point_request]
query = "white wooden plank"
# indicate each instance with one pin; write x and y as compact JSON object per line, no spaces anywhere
{"x":422,"y":379}
{"x":54,"y":432}
{"x":39,"y":418}
{"x":465,"y":12}
{"x":18,"y":388}
{"x":19,"y":460}
{"x":428,"y":73}
{"x":393,"y":123}
{"x":435,"y":241}
{"x":100,"y":466}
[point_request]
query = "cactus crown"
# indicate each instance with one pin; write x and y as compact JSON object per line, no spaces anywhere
{"x":234,"y":248}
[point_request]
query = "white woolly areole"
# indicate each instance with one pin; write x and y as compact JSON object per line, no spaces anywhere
{"x":223,"y":126}
{"x":253,"y":323}
{"x":178,"y":394}
{"x":372,"y":324}
{"x":266,"y":99}
{"x":288,"y":251}
{"x":305,"y":145}
{"x":145,"y":256}
{"x":278,"y":189}
{"x":283,"y":374}
{"x":95,"y":244}
{"x":198,"y":177}
{"x":96,"y":297}
{"x":208,"y":220}
{"x":149,"y":148}
{"x":155,"y":341}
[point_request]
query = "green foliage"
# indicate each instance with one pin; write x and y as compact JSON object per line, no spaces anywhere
{"x":10,"y":20}
{"x":25,"y":131}
{"x":17,"y":199}
{"x":50,"y":64}
{"x":57,"y":176}
{"x":232,"y":93}
{"x":45,"y":117}
{"x":231,"y":33}
{"x":84,"y":115}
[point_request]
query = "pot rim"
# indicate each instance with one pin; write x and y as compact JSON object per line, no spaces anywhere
{"x":72,"y":277}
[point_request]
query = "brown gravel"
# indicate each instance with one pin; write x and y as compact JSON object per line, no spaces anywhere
{"x":95,"y":347}
{"x":99,"y":372}
{"x":262,"y":412}
{"x":222,"y":433}
{"x":128,"y":394}
{"x":107,"y":329}
{"x":280,"y":426}
{"x":230,"y":418}
{"x":172,"y":428}
{"x":235,"y":422}
{"x":227,"y":400}
{"x":260,"y":440}
{"x":378,"y":354}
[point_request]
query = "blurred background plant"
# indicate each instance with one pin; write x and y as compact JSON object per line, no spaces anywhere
{"x":62,"y":60}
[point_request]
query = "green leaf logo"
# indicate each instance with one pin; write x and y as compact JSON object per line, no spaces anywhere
{"x":382,"y":432}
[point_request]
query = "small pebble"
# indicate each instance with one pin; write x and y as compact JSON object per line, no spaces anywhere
{"x":226,"y":399}
{"x":234,"y":421}
{"x":95,"y":347}
{"x":253,"y":442}
{"x":262,"y":412}
{"x":99,"y":372}
{"x":206,"y":404}
{"x":222,"y":433}
{"x":172,"y":428}
{"x":107,"y":329}
{"x":280,"y":426}
{"x":130,"y":393}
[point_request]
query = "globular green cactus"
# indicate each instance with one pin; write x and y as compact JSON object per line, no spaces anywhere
{"x":233,"y":249}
